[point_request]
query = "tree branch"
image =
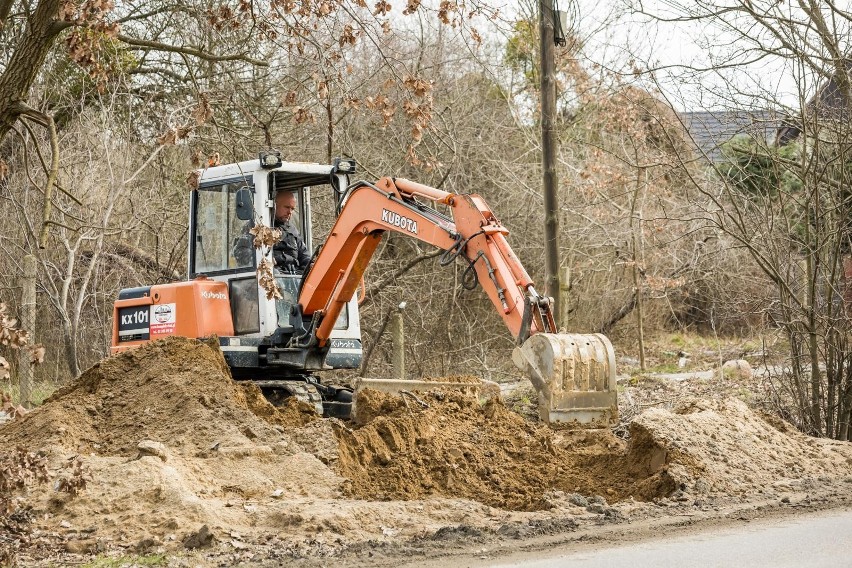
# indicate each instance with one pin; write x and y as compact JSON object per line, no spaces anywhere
{"x":47,"y":170}
{"x":399,"y":272}
{"x":195,"y":52}
{"x":141,"y":258}
{"x":47,"y":121}
{"x":622,"y":313}
{"x":157,"y":71}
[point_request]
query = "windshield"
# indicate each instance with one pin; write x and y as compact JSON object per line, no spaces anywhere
{"x":220,"y":237}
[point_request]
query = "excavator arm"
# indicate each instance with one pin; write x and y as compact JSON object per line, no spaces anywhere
{"x":473,"y":233}
{"x":574,"y":374}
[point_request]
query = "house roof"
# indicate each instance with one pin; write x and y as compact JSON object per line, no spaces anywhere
{"x":711,"y":129}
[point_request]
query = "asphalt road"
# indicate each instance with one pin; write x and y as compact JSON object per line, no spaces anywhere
{"x":814,"y":541}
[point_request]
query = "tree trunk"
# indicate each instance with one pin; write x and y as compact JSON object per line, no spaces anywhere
{"x":833,"y":370}
{"x":329,"y":142}
{"x":844,"y":415}
{"x":845,"y":418}
{"x":564,"y":290}
{"x":636,"y":239}
{"x":70,"y":334}
{"x":28,"y":313}
{"x":812,"y":270}
{"x":797,"y":382}
{"x":26,"y":61}
{"x":548,"y":149}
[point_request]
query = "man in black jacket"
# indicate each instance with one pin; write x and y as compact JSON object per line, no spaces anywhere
{"x":290,"y":252}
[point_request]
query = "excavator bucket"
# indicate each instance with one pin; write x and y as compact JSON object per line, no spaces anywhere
{"x":574,"y":375}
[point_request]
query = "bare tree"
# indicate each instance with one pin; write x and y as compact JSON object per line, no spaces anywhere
{"x":785,"y":200}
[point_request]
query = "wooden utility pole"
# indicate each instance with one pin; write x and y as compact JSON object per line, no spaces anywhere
{"x":28,"y":310}
{"x":638,"y":262}
{"x":548,"y":159}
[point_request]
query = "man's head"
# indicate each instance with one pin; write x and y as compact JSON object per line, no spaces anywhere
{"x":285,"y":204}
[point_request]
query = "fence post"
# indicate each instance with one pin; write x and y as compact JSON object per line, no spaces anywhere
{"x":564,"y":289}
{"x":27,"y":315}
{"x":398,"y":343}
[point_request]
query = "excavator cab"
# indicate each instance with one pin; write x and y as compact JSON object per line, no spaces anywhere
{"x":235,"y":198}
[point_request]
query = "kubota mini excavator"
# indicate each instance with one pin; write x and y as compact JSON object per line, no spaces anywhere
{"x":280,"y":344}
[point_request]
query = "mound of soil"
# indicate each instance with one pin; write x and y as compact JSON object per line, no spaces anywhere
{"x":170,"y":444}
{"x":218,"y":447}
{"x":176,"y":391}
{"x":724,"y":446}
{"x":456,"y":447}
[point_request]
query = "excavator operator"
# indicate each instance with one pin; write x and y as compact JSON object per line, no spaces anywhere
{"x":289,"y":253}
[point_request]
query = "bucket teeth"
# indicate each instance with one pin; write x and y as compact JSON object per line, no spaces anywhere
{"x":574,"y":375}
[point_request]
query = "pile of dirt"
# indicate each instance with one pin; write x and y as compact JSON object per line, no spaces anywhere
{"x":723,"y":446}
{"x":456,"y":447}
{"x":172,"y":448}
{"x":177,"y":391}
{"x":169,"y":442}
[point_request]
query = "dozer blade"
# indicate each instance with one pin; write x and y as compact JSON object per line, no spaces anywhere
{"x":574,"y":375}
{"x":400,"y":386}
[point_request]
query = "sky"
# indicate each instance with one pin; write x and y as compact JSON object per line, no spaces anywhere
{"x":676,"y":49}
{"x":683,"y":54}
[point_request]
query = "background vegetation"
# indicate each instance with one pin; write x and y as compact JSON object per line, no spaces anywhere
{"x":106,"y":108}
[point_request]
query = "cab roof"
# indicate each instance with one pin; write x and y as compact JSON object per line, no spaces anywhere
{"x":310,"y":173}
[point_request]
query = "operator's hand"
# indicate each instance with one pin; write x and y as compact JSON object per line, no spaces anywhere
{"x":284,"y":260}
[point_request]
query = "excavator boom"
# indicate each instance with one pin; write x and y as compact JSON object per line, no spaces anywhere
{"x":472,"y":233}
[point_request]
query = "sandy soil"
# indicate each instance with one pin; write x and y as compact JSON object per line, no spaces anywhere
{"x":176,"y":458}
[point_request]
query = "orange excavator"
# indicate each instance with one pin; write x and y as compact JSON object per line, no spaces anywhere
{"x":280,"y":340}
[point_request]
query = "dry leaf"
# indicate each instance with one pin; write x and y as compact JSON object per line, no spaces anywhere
{"x":265,"y":236}
{"x":323,"y":9}
{"x":10,"y":334}
{"x":347,"y":36}
{"x":411,"y":7}
{"x":382,"y":7}
{"x":74,"y":483}
{"x":168,"y":138}
{"x":302,"y":115}
{"x":175,"y":135}
{"x":192,"y":179}
{"x":37,"y":352}
{"x":267,"y":280}
{"x":444,"y":10}
{"x":322,"y":90}
{"x":203,"y":112}
{"x":418,"y":86}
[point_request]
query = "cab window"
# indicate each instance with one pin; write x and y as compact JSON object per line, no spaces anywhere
{"x":221,"y":241}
